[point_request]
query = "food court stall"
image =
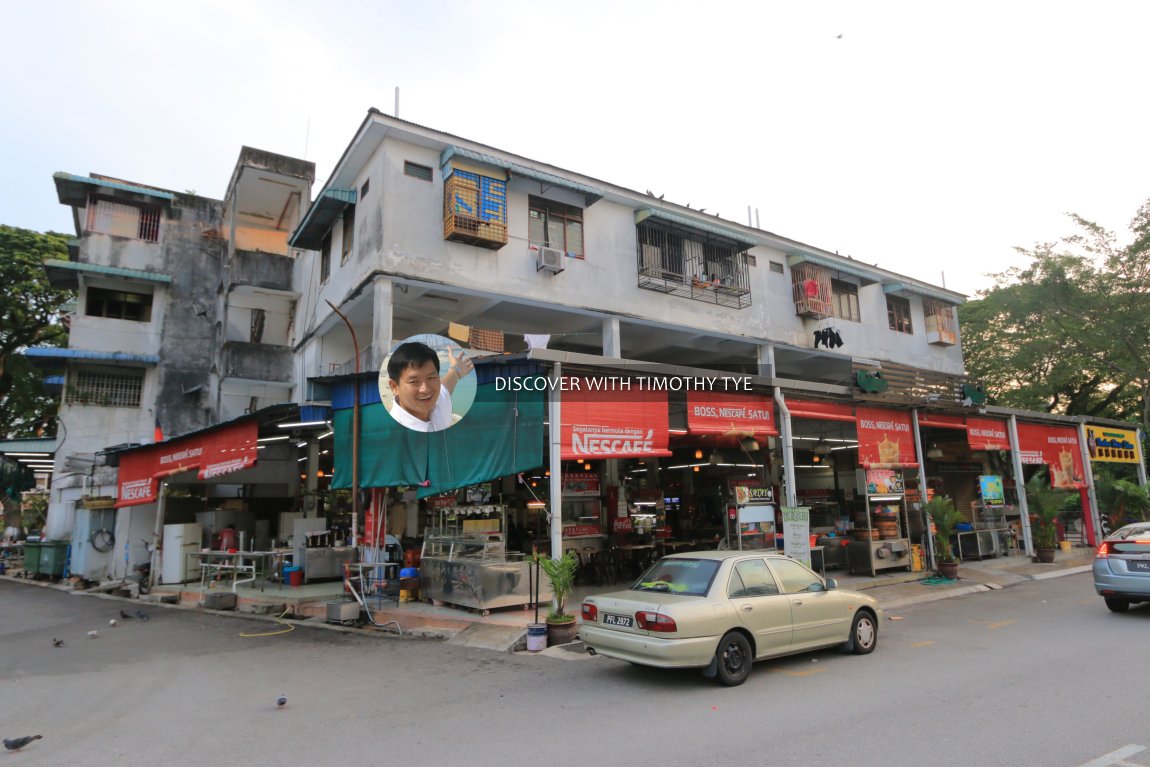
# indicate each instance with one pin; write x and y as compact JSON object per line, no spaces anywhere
{"x":465,"y":561}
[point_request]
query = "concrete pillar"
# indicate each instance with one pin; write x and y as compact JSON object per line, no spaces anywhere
{"x":311,"y":481}
{"x":765,"y":357}
{"x":382,"y":330}
{"x":612,"y":345}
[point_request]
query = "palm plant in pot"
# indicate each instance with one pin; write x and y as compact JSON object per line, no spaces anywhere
{"x":560,"y":571}
{"x":945,"y":518}
{"x":1044,"y":503}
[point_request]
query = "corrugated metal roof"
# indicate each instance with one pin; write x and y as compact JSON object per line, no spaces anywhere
{"x":36,"y":353}
{"x":322,"y":214}
{"x":590,"y":193}
{"x":66,"y":271}
{"x":67,"y":182}
{"x":690,"y":223}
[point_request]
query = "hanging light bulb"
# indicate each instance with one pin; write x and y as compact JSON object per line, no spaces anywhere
{"x":821,"y":447}
{"x":935,"y":452}
{"x":716,"y":457}
{"x":695,"y":468}
{"x":699,"y":454}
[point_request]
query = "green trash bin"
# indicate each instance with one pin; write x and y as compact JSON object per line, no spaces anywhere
{"x":52,"y":554}
{"x":31,"y":557}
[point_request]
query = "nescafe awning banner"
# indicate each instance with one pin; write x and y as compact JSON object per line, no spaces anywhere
{"x":987,"y":434}
{"x":213,"y":453}
{"x":729,"y":414}
{"x":613,"y":423}
{"x":1055,"y":447}
{"x":886,"y":438}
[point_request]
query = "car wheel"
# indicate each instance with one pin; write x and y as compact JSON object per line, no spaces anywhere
{"x":864,"y":633}
{"x":734,"y":659}
{"x":1117,"y":605}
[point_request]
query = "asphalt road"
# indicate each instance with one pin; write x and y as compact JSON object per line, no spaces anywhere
{"x":1037,"y":674}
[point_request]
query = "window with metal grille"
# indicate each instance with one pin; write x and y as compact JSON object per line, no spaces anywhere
{"x":421,"y":172}
{"x":941,"y":325}
{"x":555,"y":225}
{"x":103,"y":388}
{"x":118,"y":305}
{"x":898,"y":314}
{"x":348,"y":233}
{"x":752,"y":260}
{"x":123,"y":219}
{"x":325,"y":259}
{"x":693,"y":264}
{"x":845,"y":297}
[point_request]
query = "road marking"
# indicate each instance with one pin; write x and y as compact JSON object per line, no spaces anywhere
{"x":798,"y":673}
{"x":1115,"y":757}
{"x":927,"y":643}
{"x":1000,"y":624}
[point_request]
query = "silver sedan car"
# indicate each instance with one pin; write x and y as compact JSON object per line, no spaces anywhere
{"x":722,"y":610}
{"x":1122,"y":567}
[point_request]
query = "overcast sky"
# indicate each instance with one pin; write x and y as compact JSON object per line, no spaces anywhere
{"x":928,"y":138}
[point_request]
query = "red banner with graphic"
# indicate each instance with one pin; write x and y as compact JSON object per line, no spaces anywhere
{"x":823,"y":411}
{"x":730,"y":414}
{"x":987,"y":434}
{"x":613,"y":423}
{"x":1055,"y":447}
{"x":215,"y":453}
{"x":886,"y":438}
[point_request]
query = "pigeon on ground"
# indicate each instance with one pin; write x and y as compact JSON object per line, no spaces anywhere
{"x":143,"y":615}
{"x":15,"y":744}
{"x":125,"y":616}
{"x":57,"y":642}
{"x":112,"y":622}
{"x":281,"y":701}
{"x":93,"y":634}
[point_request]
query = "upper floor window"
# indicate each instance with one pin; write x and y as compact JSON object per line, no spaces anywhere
{"x":104,"y":388}
{"x":325,"y":259}
{"x":123,"y":219}
{"x":118,"y":305}
{"x":348,"y":233}
{"x":555,"y":225}
{"x":421,"y":172}
{"x":845,"y":297}
{"x":811,"y":290}
{"x":475,"y":209}
{"x":693,"y":264}
{"x":898,"y":314}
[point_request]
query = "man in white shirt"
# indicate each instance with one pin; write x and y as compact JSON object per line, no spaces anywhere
{"x":422,"y":399}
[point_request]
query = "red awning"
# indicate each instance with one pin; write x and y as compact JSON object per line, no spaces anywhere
{"x":987,"y":434}
{"x":941,"y":421}
{"x":213,"y":453}
{"x":613,"y":423}
{"x":729,"y":414}
{"x":1057,"y":448}
{"x":886,"y":438}
{"x":826,"y":411}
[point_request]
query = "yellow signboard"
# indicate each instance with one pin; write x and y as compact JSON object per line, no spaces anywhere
{"x":1109,"y":444}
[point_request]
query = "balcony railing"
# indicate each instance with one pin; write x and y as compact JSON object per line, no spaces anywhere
{"x":671,"y":261}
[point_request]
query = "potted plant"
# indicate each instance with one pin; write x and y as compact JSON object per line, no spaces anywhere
{"x":561,"y":625}
{"x":1044,"y":503}
{"x":945,"y":518}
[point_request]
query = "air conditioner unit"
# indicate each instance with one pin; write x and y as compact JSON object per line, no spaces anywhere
{"x":550,"y":259}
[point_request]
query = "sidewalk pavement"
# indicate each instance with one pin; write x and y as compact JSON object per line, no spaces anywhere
{"x":506,"y":630}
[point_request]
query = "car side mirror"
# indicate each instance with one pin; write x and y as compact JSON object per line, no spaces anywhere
{"x":832,"y":584}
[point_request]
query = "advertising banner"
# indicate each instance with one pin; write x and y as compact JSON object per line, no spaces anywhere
{"x":886,"y":438}
{"x":613,"y":422}
{"x":1105,"y":443}
{"x":730,"y":414}
{"x":1055,"y":447}
{"x":580,"y":483}
{"x":987,"y":434}
{"x":797,"y":533}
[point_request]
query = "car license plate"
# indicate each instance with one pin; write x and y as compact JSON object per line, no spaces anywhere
{"x":619,"y":621}
{"x":1140,"y":566}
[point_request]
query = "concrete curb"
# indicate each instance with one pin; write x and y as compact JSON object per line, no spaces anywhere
{"x":990,"y":585}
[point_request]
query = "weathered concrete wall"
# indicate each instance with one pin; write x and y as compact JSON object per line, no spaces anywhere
{"x":262,"y":270}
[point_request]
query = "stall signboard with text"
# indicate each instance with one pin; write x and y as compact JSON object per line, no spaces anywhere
{"x":613,"y":422}
{"x":579,"y":483}
{"x":797,"y":533}
{"x":990,"y":487}
{"x":886,"y":438}
{"x":1105,"y":443}
{"x":730,"y":414}
{"x":883,"y":482}
{"x":577,"y":531}
{"x":1055,"y":447}
{"x":746,"y":495}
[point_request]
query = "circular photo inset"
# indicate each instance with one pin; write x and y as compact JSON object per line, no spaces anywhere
{"x":427,"y":382}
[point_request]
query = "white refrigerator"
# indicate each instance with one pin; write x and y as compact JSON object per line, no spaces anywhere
{"x":179,"y":541}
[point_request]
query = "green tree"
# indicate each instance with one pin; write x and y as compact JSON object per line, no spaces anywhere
{"x":29,"y":308}
{"x":1069,"y":333}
